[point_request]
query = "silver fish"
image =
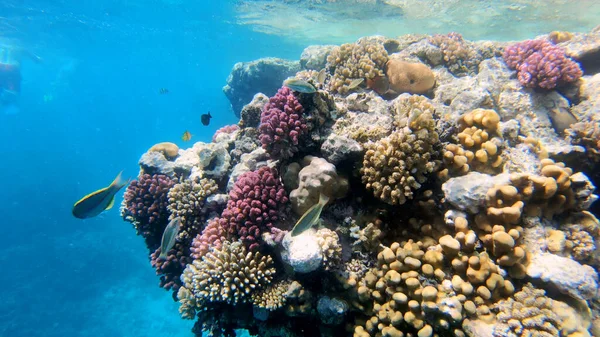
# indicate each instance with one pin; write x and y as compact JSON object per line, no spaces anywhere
{"x":355,"y":83}
{"x":300,"y":85}
{"x":169,"y":236}
{"x":310,"y":217}
{"x":321,"y":76}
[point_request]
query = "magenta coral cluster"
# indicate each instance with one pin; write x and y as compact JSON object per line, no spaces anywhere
{"x":145,"y":205}
{"x":254,"y":205}
{"x":539,"y":63}
{"x":171,"y":268}
{"x":226,"y":129}
{"x":282,"y":124}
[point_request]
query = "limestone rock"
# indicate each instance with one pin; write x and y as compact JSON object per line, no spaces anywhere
{"x":315,"y":57}
{"x":338,"y":148}
{"x":251,"y":112}
{"x":263,"y":75}
{"x":467,"y":193}
{"x":570,"y":277}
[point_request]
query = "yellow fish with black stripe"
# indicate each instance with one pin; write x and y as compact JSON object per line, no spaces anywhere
{"x":99,"y":201}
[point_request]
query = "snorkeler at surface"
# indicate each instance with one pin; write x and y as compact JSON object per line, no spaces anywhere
{"x":10,"y":74}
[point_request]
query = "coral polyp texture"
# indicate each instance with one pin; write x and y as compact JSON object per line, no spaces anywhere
{"x":540,"y":63}
{"x":145,"y":204}
{"x":282,"y":124}
{"x":459,"y":203}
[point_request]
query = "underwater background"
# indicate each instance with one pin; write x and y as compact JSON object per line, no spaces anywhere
{"x":92,"y":107}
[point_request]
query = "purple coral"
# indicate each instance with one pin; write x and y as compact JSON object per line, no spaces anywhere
{"x":254,"y":205}
{"x":226,"y":129}
{"x":539,"y":63}
{"x":282,"y":124}
{"x":171,"y":268}
{"x":145,"y":205}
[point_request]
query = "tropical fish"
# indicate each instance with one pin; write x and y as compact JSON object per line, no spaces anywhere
{"x":163,"y":91}
{"x":99,"y":201}
{"x":169,"y":236}
{"x":311,"y":216}
{"x":355,"y":83}
{"x":186,"y":136}
{"x":321,"y":76}
{"x":299,"y":85}
{"x":205,"y":119}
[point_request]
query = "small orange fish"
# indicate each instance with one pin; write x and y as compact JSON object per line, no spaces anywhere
{"x":187,"y":136}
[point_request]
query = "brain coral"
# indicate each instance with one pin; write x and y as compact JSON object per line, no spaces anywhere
{"x":145,"y":205}
{"x":395,"y":166}
{"x":364,"y":59}
{"x":229,"y":274}
{"x":282,"y":124}
{"x":539,"y":63}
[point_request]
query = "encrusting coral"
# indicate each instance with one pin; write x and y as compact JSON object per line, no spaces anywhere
{"x":443,"y":208}
{"x":395,"y":166}
{"x":530,"y":313}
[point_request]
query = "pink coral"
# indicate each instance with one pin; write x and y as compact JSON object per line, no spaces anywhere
{"x":254,"y":205}
{"x":226,"y":129}
{"x":145,"y":205}
{"x":539,"y":63}
{"x":282,"y":124}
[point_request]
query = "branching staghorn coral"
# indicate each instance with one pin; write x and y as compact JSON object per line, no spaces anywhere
{"x":395,"y":166}
{"x":364,"y":59}
{"x":229,"y":274}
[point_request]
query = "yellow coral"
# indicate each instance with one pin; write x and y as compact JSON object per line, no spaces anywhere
{"x":272,"y":297}
{"x":229,"y":274}
{"x":352,"y":61}
{"x":395,"y":166}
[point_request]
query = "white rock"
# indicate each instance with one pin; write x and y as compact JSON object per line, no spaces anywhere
{"x":569,"y":276}
{"x":467,"y":193}
{"x":302,"y":252}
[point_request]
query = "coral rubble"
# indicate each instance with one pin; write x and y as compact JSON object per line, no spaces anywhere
{"x":460,"y":194}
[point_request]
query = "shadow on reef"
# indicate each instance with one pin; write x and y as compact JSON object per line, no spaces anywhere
{"x":460,"y":184}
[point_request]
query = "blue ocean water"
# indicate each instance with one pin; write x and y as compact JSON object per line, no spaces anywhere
{"x":86,"y":112}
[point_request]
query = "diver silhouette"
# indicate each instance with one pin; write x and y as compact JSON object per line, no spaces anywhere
{"x":11,"y":56}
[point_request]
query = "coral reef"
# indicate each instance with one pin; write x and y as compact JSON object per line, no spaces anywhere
{"x":145,"y":205}
{"x":282,"y":124}
{"x":466,"y":212}
{"x":228,"y":274}
{"x":395,"y":166}
{"x":539,"y":63}
{"x":364,"y":59}
{"x":248,"y":78}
